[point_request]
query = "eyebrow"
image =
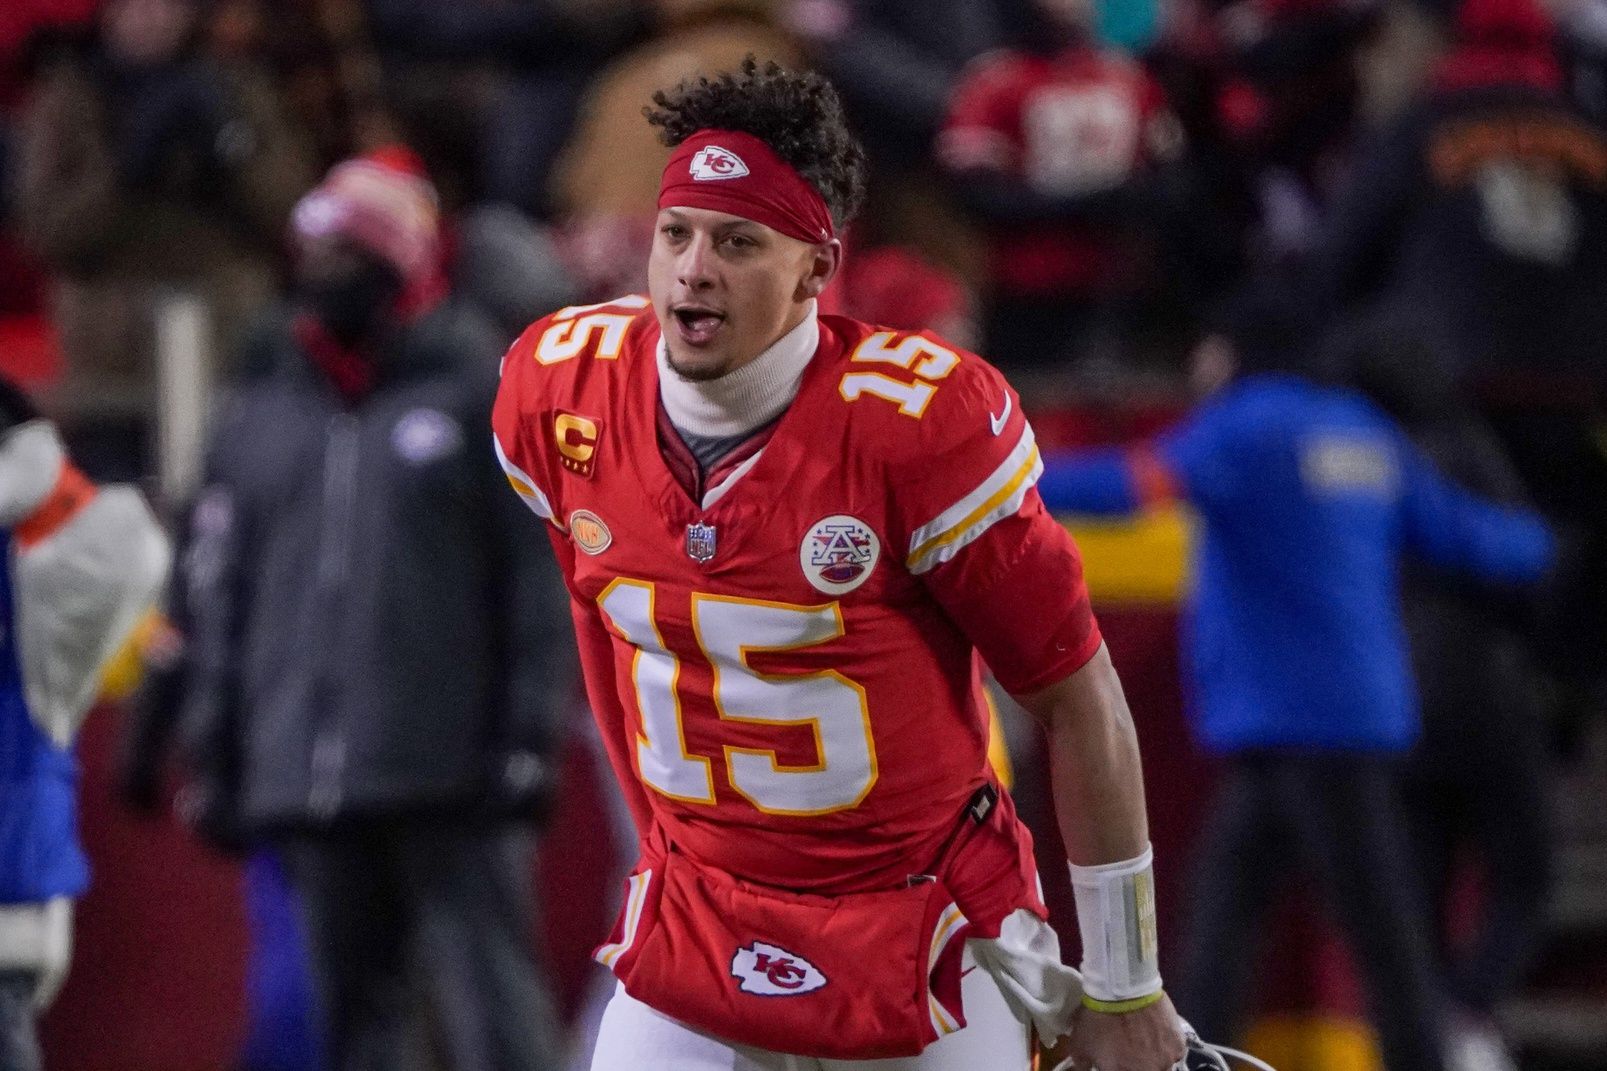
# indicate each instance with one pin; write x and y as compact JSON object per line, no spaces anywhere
{"x":677,"y":216}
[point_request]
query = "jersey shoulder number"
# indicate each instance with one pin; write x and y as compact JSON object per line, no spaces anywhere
{"x":546,"y":376}
{"x":950,"y":430}
{"x":596,"y":331}
{"x":916,"y":388}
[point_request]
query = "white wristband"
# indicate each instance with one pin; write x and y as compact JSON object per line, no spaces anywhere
{"x":1116,"y":914}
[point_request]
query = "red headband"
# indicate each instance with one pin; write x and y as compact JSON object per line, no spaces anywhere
{"x":729,"y":171}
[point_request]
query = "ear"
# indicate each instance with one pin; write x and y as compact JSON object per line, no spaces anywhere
{"x":824,"y":262}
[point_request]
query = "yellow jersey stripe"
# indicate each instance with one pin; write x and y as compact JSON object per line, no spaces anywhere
{"x":1003,"y":503}
{"x":523,"y":484}
{"x":963,"y":507}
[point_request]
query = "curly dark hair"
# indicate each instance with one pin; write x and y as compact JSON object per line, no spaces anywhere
{"x":797,"y":113}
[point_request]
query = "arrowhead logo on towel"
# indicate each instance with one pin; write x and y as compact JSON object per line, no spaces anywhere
{"x":767,"y":971}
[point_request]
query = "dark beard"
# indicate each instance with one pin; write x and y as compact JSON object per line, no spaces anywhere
{"x":694,"y":375}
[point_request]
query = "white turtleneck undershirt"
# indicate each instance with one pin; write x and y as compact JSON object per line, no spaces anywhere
{"x":744,"y":401}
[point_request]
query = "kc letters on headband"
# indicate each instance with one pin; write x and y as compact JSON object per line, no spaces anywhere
{"x":736,"y":173}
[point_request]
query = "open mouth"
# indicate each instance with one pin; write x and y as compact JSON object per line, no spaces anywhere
{"x":697,"y":324}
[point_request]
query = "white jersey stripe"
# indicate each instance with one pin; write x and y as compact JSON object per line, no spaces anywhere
{"x":607,"y":954}
{"x":718,"y":491}
{"x":953,"y":516}
{"x":999,"y":496}
{"x":524,"y":485}
{"x":1009,"y":500}
{"x":949,"y":924}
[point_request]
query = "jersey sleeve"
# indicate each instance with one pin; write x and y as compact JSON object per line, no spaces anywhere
{"x":980,"y":129}
{"x":538,"y":375}
{"x":516,"y":423}
{"x":977,"y":535}
{"x":595,"y":645}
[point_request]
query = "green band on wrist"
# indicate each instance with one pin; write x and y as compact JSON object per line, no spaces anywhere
{"x":1122,"y":1007}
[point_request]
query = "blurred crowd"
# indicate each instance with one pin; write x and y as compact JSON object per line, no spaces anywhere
{"x":1084,"y":191}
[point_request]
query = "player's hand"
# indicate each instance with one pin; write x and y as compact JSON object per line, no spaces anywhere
{"x":1150,"y":1039}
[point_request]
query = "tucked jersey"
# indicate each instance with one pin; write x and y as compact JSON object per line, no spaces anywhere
{"x":785,"y":673}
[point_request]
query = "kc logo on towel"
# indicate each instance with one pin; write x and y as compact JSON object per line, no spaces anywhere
{"x":767,"y":971}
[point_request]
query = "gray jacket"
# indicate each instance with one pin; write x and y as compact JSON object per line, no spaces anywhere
{"x":376,"y":625}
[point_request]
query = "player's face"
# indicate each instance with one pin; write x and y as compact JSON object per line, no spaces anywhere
{"x":724,"y":288}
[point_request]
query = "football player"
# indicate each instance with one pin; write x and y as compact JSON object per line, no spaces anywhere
{"x":791,"y":539}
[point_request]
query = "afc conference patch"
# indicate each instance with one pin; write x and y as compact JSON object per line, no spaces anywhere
{"x":838,"y":554}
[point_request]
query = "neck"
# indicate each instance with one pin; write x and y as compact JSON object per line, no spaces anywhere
{"x":747,"y":398}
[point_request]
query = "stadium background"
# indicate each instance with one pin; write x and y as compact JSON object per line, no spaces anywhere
{"x":526,"y":114}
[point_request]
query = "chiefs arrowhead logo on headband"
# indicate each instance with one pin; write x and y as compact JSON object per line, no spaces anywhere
{"x":712,"y":163}
{"x":706,"y":171}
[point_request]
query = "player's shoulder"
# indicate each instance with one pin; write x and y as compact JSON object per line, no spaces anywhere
{"x":579,"y":342}
{"x":915,"y":393}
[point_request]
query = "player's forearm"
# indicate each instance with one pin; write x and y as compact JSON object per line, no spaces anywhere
{"x":1094,"y":765}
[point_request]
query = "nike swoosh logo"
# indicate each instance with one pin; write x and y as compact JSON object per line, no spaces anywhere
{"x":997,"y":422}
{"x":968,"y":970}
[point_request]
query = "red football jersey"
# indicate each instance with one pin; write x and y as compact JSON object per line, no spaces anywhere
{"x":1080,"y":122}
{"x":784,"y":673}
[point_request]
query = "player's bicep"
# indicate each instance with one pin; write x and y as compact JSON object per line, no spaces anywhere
{"x":1018,"y":594}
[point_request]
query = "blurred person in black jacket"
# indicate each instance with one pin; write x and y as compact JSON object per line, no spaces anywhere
{"x":1484,"y":203}
{"x":1483,"y":207}
{"x":1474,"y":786}
{"x":149,"y":164}
{"x":377,"y":658}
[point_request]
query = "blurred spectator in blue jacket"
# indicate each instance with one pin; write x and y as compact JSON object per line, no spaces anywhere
{"x":1296,"y":663}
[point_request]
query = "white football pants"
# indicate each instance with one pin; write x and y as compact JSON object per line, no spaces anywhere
{"x":634,"y":1037}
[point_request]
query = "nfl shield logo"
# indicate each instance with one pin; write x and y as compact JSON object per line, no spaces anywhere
{"x":700,"y":542}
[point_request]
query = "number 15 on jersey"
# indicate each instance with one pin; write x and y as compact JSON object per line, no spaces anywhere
{"x":728,"y":630}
